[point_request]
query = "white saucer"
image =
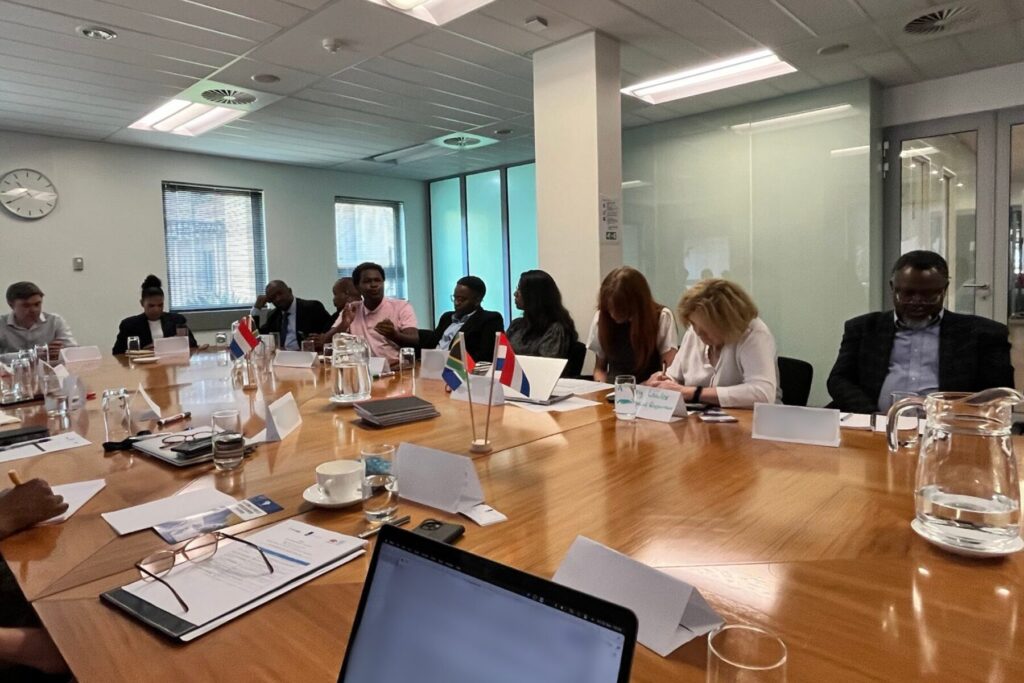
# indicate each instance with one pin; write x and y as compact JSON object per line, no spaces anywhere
{"x":1010,"y":547}
{"x":313,"y":495}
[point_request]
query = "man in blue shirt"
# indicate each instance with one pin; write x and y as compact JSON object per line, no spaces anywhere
{"x":477,"y":325}
{"x":918,"y":347}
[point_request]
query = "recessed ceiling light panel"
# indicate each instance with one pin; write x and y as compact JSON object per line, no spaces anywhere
{"x":203,"y":107}
{"x":437,"y":12}
{"x":711,"y":77}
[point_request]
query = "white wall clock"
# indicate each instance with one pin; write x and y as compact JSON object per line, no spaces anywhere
{"x":27,"y":193}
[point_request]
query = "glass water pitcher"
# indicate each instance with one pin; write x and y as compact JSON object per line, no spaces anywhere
{"x":967,"y":491}
{"x":351,"y":369}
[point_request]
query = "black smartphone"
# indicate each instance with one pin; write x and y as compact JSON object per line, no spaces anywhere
{"x":439,"y":531}
{"x":193,"y":449}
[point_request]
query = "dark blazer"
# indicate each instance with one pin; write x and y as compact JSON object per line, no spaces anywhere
{"x":974,"y":354}
{"x":310,"y":318}
{"x":138,"y":326}
{"x":479,"y":331}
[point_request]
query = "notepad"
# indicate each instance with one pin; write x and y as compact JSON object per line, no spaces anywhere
{"x":138,"y":517}
{"x":236,"y":580}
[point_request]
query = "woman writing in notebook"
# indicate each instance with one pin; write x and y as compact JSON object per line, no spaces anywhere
{"x":631,"y":333}
{"x":727,"y":357}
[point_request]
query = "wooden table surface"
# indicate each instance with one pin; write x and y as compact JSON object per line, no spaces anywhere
{"x":812,"y":543}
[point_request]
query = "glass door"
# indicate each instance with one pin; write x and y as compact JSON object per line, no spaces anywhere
{"x":935,"y":199}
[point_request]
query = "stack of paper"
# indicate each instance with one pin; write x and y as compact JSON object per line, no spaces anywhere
{"x":395,"y":411}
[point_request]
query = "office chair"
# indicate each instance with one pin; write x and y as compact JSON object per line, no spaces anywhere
{"x":577,"y":354}
{"x":795,"y":379}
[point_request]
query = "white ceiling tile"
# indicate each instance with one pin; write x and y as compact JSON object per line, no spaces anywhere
{"x":697,"y":24}
{"x":825,"y":16}
{"x":403,"y":110}
{"x":201,"y":16}
{"x":34,"y":59}
{"x":878,"y":9}
{"x":453,"y":67}
{"x":478,"y":53}
{"x":993,"y":47}
{"x":494,"y":32}
{"x":771,"y":25}
{"x":516,"y":12}
{"x":364,"y":28}
{"x":274,"y":12}
{"x":889,"y":68}
{"x":33,"y":124}
{"x":936,"y":58}
{"x":795,"y":82}
{"x":240,"y":73}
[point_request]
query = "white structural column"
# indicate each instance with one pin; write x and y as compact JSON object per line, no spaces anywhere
{"x":578,"y":141}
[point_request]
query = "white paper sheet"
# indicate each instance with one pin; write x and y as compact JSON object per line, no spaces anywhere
{"x":574,"y":403}
{"x":905,"y":422}
{"x":75,"y":495}
{"x":283,"y":418}
{"x":670,"y":612}
{"x":171,"y":346}
{"x":225,"y":585}
{"x":51,"y":444}
{"x":438,"y":479}
{"x":580,"y":386}
{"x":481,"y":384}
{"x":8,"y":419}
{"x":294,"y":359}
{"x":796,"y":424}
{"x":861,"y":421}
{"x":128,"y":520}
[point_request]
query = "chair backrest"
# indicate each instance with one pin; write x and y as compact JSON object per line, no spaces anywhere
{"x":577,"y":354}
{"x":795,"y":378}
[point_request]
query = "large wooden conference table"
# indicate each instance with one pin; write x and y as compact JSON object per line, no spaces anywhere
{"x":811,"y":543}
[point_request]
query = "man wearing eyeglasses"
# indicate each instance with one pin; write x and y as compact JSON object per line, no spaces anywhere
{"x":478,"y":326}
{"x":918,"y":347}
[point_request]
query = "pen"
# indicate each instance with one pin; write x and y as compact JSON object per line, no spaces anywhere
{"x":170,"y":419}
{"x":15,"y":479}
{"x":373,"y":532}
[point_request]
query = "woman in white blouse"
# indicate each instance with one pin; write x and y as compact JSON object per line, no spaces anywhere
{"x":727,"y":356}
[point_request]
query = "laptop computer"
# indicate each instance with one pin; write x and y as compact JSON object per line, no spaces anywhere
{"x":432,"y":613}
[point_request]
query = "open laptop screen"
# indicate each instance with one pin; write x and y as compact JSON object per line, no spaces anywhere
{"x":426,"y":620}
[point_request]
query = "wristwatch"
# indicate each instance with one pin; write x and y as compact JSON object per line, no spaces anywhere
{"x":696,"y":395}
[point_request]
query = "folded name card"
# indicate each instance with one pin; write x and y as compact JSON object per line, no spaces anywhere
{"x":294,"y":359}
{"x":670,"y":612}
{"x":442,"y":480}
{"x":80,"y":354}
{"x":378,"y":366}
{"x":171,"y":346}
{"x":660,"y":405}
{"x":795,"y":424}
{"x":283,"y":418}
{"x":432,"y":363}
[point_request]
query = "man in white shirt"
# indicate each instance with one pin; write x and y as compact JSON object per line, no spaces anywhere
{"x":26,"y":326}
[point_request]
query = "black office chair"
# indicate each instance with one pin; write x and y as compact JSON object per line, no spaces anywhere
{"x":577,"y":354}
{"x":795,"y":378}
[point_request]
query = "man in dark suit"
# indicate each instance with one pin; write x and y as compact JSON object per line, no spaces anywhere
{"x":293,"y":319}
{"x":478,"y":326}
{"x":918,"y":346}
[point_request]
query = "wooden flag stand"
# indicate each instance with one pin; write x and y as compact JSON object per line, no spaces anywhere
{"x":477,"y":445}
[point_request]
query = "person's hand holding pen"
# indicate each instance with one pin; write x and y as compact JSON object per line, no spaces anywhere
{"x":27,"y":504}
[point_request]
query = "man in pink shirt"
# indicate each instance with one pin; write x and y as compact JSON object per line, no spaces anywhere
{"x":385,"y":324}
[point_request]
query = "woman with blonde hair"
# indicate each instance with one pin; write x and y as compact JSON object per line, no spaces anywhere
{"x":631,"y":334}
{"x":727,"y":356}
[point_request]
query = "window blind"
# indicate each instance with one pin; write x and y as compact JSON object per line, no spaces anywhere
{"x":371,"y":231}
{"x":216,"y":246}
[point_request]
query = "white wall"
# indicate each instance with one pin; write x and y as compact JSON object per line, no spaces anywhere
{"x":110,"y":212}
{"x":975,"y":91}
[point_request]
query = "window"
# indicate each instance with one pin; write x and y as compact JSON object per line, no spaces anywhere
{"x":484,"y":224}
{"x":216,"y":247}
{"x":371,"y":231}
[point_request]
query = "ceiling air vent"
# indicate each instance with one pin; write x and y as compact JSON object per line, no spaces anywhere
{"x":460,"y":142}
{"x":227,"y":96}
{"x":942,"y":20}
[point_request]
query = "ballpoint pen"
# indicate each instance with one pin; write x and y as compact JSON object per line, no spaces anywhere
{"x":373,"y":532}
{"x":170,"y":419}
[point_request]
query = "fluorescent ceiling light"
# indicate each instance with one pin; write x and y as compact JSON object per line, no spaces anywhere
{"x":410,"y":154}
{"x":711,"y":77}
{"x":799,"y":118}
{"x":181,"y":117}
{"x":436,"y":12}
{"x":919,"y":152}
{"x":849,"y":151}
{"x":627,"y":184}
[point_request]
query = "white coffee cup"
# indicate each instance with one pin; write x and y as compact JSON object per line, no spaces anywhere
{"x":340,"y":479}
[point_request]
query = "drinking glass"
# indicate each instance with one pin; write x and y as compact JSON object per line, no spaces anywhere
{"x":221,"y":339}
{"x":328,"y":353}
{"x":309,"y":345}
{"x":407,"y":366}
{"x":269,"y":341}
{"x":117,"y":414}
{"x":23,"y":384}
{"x":228,"y":441}
{"x":43,"y":352}
{"x":380,"y":484}
{"x":745,"y":654}
{"x":134,"y":345}
{"x":55,"y":399}
{"x":907,"y":438}
{"x":625,"y":397}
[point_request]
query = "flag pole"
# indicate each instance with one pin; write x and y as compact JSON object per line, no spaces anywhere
{"x":490,"y":394}
{"x":469,"y":386}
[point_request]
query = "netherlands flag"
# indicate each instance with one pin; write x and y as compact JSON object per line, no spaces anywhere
{"x":243,"y":341}
{"x":512,"y":374}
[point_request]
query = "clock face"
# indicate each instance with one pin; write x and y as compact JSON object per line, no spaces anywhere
{"x":27,"y":193}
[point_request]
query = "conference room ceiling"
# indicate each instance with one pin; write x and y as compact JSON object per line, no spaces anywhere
{"x":397,"y":82}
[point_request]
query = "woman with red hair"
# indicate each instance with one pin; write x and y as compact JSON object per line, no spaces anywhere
{"x":631,"y":334}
